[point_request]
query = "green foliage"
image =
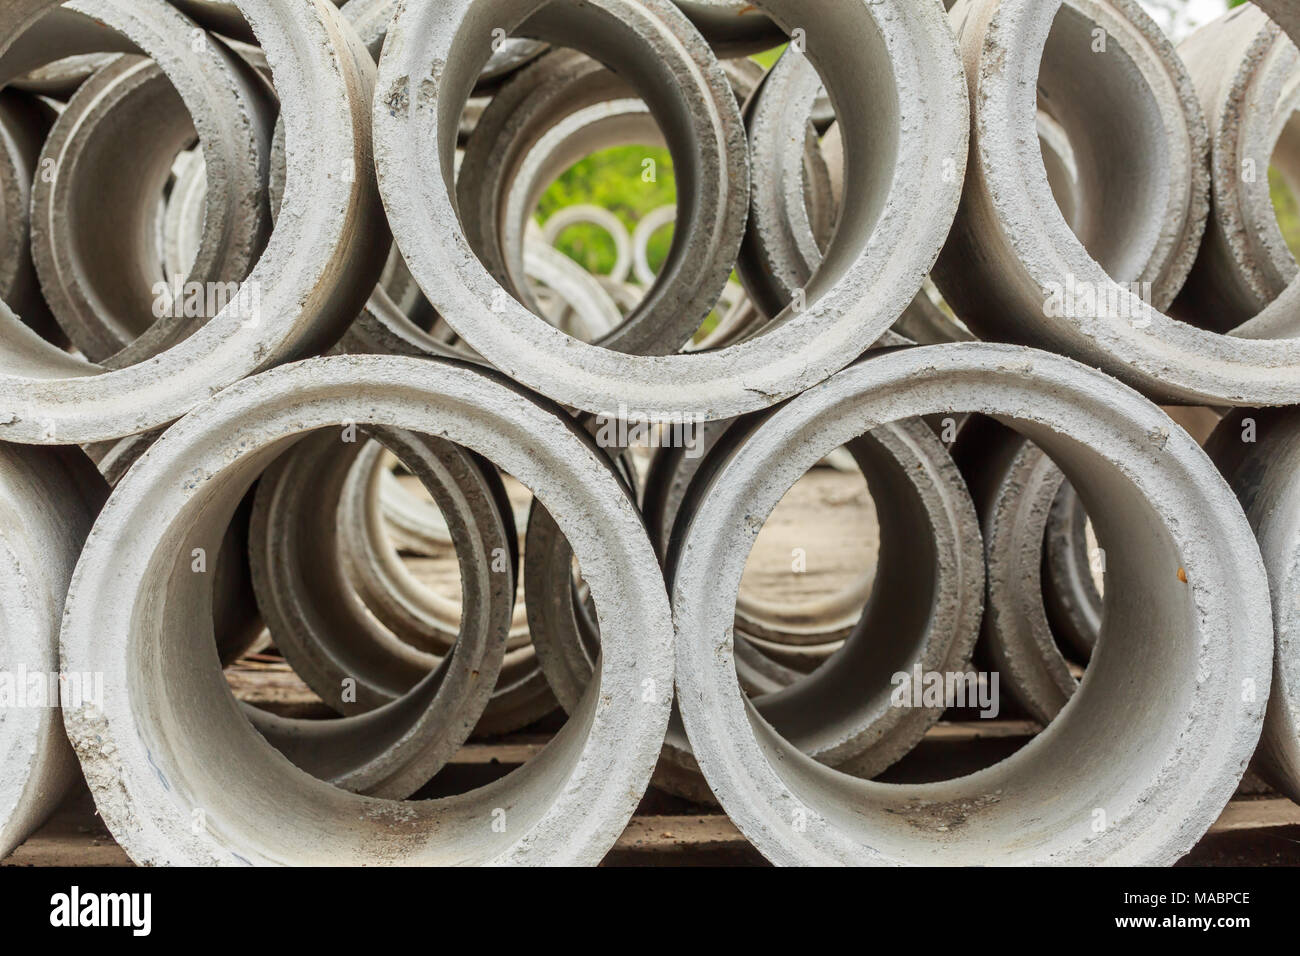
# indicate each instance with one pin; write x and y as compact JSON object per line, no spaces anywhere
{"x":616,"y":180}
{"x":767,"y":59}
{"x":1287,"y":209}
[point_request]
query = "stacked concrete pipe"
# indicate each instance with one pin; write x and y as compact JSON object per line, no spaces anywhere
{"x":560,"y":807}
{"x":365,"y":179}
{"x":24,"y":123}
{"x":863,"y":286}
{"x":50,"y":497}
{"x":1011,"y":251}
{"x":1245,"y":70}
{"x":99,"y":263}
{"x":381,"y":639}
{"x":307,"y":276}
{"x":1256,"y":450}
{"x":1159,"y":772}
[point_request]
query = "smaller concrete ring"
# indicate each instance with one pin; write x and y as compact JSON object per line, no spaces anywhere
{"x":602,"y":218}
{"x":317,"y":622}
{"x":105,"y":293}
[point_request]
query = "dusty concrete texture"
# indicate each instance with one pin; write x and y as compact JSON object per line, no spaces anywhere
{"x":627,"y":643}
{"x":1244,"y":68}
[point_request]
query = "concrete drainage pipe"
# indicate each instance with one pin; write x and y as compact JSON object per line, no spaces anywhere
{"x":318,"y":266}
{"x":171,"y":746}
{"x":1070,"y":593}
{"x":24,"y":123}
{"x":335,"y":643}
{"x":50,"y":498}
{"x":702,"y":127}
{"x":924,"y":608}
{"x":791,"y":218}
{"x":419,"y":616}
{"x":1145,"y":755}
{"x":1143,"y":228}
{"x":1259,"y":453}
{"x":99,"y":262}
{"x":602,"y":218}
{"x":1014,"y":270}
{"x":911,"y":117}
{"x":1247,"y":73}
{"x":1015,"y":487}
{"x":792,"y":204}
{"x":323,"y":631}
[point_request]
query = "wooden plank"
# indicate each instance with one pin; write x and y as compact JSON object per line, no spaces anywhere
{"x":73,"y":836}
{"x":1257,"y":814}
{"x":671,"y":832}
{"x":1252,"y":829}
